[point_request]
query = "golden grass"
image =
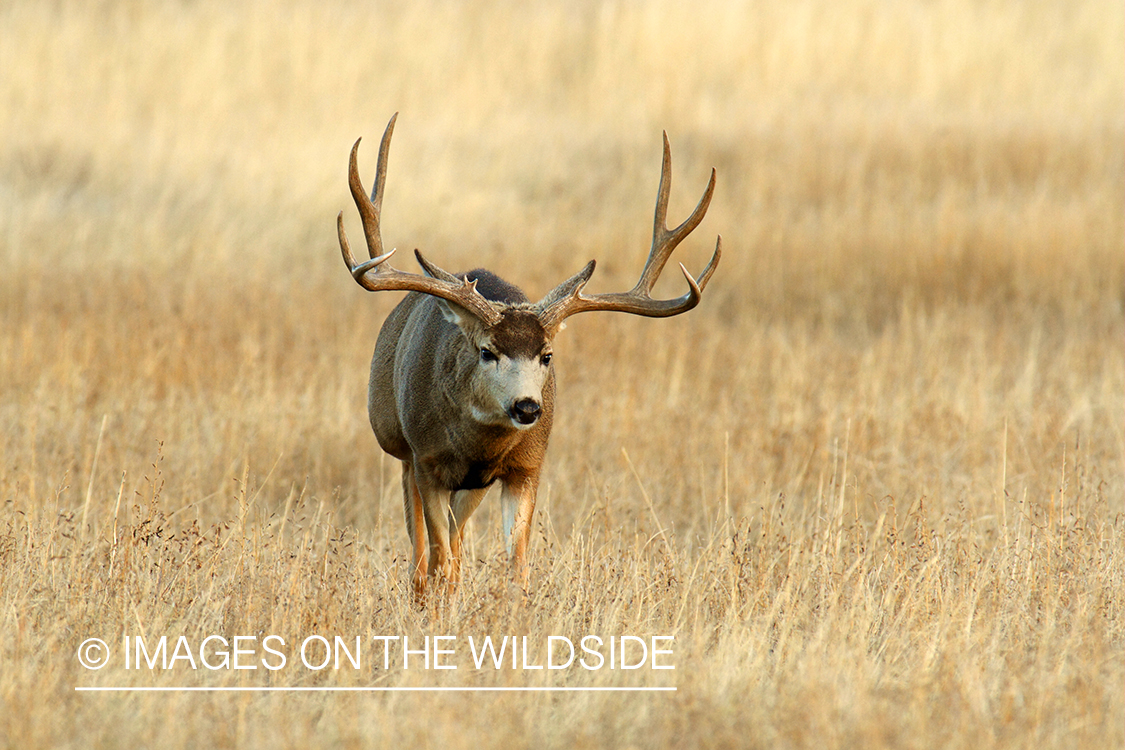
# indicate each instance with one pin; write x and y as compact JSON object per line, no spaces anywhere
{"x":873,"y":484}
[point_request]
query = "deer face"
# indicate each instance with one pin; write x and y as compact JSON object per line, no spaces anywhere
{"x":512,"y":364}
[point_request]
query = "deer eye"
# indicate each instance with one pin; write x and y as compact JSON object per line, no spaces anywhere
{"x":487,"y":355}
{"x":545,"y":360}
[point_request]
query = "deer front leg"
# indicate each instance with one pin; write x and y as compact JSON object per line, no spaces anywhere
{"x":435,"y":511}
{"x":517,"y":505}
{"x":415,"y":527}
{"x":462,"y":505}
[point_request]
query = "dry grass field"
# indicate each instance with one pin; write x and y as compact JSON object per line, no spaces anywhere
{"x":873,"y":485}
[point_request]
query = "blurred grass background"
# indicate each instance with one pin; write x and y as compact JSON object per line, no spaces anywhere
{"x":918,"y":317}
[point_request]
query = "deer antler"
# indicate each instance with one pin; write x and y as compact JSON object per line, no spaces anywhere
{"x":567,"y":299}
{"x":376,"y":274}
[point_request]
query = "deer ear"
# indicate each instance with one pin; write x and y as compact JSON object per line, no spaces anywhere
{"x":459,"y":316}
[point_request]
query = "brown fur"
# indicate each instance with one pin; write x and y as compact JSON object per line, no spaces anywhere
{"x":421,"y":368}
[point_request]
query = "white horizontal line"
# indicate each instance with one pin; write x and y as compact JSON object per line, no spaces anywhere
{"x":374,"y":689}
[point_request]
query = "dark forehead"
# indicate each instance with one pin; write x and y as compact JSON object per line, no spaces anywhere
{"x":518,"y":334}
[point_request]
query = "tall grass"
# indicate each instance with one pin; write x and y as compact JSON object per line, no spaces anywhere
{"x":872,"y":485}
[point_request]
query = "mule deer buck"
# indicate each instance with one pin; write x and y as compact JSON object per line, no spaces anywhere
{"x":462,"y":389}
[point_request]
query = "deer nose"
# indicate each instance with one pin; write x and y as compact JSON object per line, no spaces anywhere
{"x":526,"y":411}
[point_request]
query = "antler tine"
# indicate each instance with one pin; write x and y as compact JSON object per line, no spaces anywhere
{"x":370,"y":210}
{"x":376,"y":274}
{"x":567,"y":299}
{"x":368,"y":214}
{"x":663,"y":240}
{"x":712,"y":264}
{"x":381,"y":166}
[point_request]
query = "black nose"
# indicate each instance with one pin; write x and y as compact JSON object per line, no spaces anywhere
{"x":526,"y":411}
